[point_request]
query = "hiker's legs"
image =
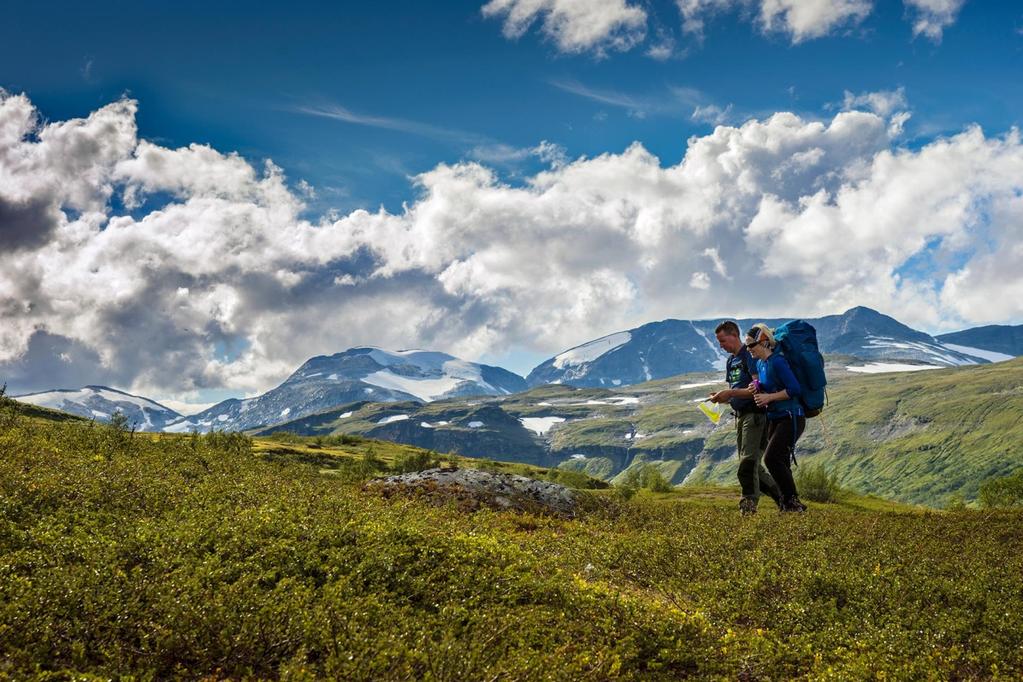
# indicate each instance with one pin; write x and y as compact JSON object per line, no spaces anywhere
{"x":782,"y":435}
{"x":768,"y":486}
{"x":749,"y":429}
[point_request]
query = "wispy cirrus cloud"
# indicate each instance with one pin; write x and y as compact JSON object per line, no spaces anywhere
{"x":346,"y":115}
{"x":674,"y":100}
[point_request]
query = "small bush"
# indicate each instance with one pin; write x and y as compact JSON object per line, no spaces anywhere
{"x":371,"y":461}
{"x":815,"y":483}
{"x":1003,"y":492}
{"x":119,"y":422}
{"x":955,"y":502}
{"x":575,"y":479}
{"x":416,"y":461}
{"x":625,"y":492}
{"x":647,"y":477}
{"x":654,"y":481}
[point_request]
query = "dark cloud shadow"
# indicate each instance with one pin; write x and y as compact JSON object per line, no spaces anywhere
{"x":26,"y":224}
{"x":57,"y":362}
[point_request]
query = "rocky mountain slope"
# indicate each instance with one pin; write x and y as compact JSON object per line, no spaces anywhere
{"x":868,"y":341}
{"x":671,"y":347}
{"x":101,"y":402}
{"x":921,"y":437}
{"x":1001,"y":341}
{"x":324,"y":382}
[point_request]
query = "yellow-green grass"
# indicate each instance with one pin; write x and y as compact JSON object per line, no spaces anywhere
{"x":332,"y":454}
{"x":194,"y":557}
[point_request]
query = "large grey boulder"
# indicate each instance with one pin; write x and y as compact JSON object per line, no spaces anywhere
{"x":473,"y":489}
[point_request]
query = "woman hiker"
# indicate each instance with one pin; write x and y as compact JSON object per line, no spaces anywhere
{"x":750,"y":420}
{"x":778,"y":393}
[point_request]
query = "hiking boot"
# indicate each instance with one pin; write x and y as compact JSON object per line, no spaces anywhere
{"x":748,"y":506}
{"x":793,"y":504}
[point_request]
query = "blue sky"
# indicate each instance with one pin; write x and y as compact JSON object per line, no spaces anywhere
{"x":235,"y":75}
{"x":526,"y":186}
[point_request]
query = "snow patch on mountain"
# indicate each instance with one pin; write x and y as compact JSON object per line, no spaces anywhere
{"x":989,"y":355}
{"x":937,"y":353}
{"x":422,"y":388}
{"x":883,"y":367}
{"x":540,"y":425}
{"x":427,"y":375}
{"x":591,"y":351}
{"x":721,"y":357}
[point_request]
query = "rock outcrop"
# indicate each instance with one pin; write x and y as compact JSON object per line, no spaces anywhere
{"x":475,"y":489}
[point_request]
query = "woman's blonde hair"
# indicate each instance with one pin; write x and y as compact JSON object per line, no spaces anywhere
{"x":761,"y":332}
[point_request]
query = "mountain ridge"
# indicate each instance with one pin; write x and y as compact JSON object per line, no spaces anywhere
{"x":657,"y":350}
{"x":652,"y":351}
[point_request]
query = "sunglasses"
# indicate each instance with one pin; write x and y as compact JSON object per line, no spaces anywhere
{"x":753,"y":345}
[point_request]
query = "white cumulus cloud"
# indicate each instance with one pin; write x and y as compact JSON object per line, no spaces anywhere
{"x":800,"y":20}
{"x":574,"y":25}
{"x":217,"y":280}
{"x":881,"y":102}
{"x":932,"y":17}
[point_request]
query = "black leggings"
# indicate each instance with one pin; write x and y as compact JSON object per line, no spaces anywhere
{"x":782,"y":435}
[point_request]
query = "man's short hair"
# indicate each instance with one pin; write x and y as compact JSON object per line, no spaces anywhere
{"x":728,"y":327}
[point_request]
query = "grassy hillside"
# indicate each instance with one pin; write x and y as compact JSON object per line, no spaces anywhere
{"x":928,"y":437}
{"x":924,"y":437}
{"x":187,"y":557}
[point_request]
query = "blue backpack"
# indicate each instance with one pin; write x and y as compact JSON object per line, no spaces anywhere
{"x":798,"y":343}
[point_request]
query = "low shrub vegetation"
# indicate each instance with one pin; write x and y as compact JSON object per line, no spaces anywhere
{"x":644,"y":477}
{"x":420,"y":460}
{"x":207,"y":557}
{"x":815,"y":483}
{"x":1002,"y":492}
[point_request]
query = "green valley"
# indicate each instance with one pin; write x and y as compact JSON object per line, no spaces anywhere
{"x":924,"y":437}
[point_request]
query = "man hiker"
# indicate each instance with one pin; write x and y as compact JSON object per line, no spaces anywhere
{"x":750,"y":420}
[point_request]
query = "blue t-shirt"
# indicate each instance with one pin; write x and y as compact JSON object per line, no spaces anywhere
{"x":775,"y":375}
{"x":739,"y":371}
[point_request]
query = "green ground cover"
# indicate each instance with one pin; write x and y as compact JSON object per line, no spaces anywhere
{"x":217,"y":557}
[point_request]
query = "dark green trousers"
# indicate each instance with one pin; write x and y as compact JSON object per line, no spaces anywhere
{"x":750,"y":432}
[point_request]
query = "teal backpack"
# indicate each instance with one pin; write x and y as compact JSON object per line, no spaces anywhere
{"x":798,"y":343}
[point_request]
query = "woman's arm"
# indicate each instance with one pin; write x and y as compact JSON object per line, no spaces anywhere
{"x":783,"y":374}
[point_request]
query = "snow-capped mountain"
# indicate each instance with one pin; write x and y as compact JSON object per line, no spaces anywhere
{"x":357,"y":374}
{"x":663,"y":349}
{"x":869,"y":335}
{"x":999,"y":341}
{"x":101,"y":402}
{"x":653,"y":351}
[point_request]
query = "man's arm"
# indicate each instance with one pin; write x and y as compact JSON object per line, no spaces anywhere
{"x":729,"y":393}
